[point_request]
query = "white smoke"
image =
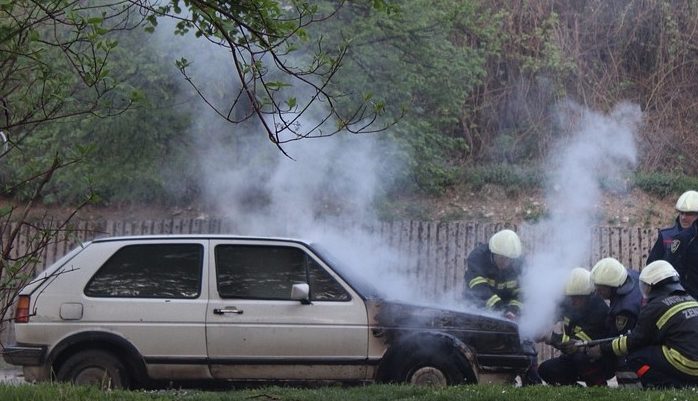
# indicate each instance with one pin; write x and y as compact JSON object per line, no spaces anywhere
{"x":600,"y":149}
{"x":323,"y":191}
{"x":326,"y":191}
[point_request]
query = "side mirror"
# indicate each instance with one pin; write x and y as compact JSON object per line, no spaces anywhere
{"x":301,"y":292}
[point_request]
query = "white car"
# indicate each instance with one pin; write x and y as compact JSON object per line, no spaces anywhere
{"x":139,"y":311}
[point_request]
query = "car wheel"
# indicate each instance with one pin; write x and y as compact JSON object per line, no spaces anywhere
{"x":95,"y":368}
{"x":430,"y":367}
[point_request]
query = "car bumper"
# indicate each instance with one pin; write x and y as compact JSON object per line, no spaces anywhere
{"x":24,"y":355}
{"x":504,"y":363}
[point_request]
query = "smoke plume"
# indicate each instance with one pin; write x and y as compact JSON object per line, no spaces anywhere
{"x":597,"y":154}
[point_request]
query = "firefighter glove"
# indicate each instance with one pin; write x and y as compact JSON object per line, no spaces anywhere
{"x":594,"y":352}
{"x":569,"y":347}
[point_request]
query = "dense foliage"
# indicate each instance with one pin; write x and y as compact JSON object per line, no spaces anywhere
{"x":473,"y":83}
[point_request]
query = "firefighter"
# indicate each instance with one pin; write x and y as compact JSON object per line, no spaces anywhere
{"x":492,"y":281}
{"x":583,"y":319}
{"x":661,"y":350}
{"x":680,"y":245}
{"x":492,"y":274}
{"x":687,"y":207}
{"x":620,"y":286}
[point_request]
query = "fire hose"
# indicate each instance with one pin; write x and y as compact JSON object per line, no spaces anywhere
{"x":591,"y":343}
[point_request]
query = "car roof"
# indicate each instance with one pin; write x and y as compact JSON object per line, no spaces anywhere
{"x":155,"y":237}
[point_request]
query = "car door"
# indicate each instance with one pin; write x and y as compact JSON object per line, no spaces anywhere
{"x":256,"y":331}
{"x":153,"y":294}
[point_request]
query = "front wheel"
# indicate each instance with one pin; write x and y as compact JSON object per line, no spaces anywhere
{"x":94,"y":368}
{"x":431,"y":367}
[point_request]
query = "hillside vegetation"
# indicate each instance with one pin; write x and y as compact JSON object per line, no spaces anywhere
{"x":475,"y":85}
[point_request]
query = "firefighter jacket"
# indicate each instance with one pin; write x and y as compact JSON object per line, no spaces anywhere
{"x":587,"y":323}
{"x":662,"y":247}
{"x":625,"y":305}
{"x":489,"y":286}
{"x":669,"y":319}
{"x":683,"y":256}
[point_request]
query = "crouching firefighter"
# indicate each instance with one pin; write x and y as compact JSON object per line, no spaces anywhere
{"x":583,"y":320}
{"x":492,"y":282}
{"x":661,"y":350}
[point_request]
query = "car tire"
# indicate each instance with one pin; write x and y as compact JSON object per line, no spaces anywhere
{"x":95,"y":368}
{"x":431,"y":366}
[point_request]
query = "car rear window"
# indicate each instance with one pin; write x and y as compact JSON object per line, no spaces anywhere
{"x":150,"y":271}
{"x":269,"y":272}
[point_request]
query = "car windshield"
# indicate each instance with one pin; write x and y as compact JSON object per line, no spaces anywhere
{"x":350,"y":275}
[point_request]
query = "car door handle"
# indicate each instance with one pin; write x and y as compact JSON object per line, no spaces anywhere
{"x":227,"y":309}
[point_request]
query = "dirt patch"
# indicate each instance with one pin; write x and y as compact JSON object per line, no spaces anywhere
{"x":495,"y":204}
{"x":488,"y":204}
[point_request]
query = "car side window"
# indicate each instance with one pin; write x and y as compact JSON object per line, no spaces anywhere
{"x":269,"y":272}
{"x":150,"y":271}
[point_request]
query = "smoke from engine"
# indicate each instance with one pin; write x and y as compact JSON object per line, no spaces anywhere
{"x":600,"y":151}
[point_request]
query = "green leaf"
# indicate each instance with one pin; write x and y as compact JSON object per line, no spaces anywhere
{"x":277,"y":85}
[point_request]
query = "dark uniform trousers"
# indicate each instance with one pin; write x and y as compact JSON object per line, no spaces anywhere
{"x":568,"y":369}
{"x":654,"y":370}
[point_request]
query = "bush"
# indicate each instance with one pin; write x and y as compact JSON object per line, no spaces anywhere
{"x":514,"y":178}
{"x":664,"y":184}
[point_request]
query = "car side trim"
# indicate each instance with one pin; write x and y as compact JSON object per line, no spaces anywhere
{"x":24,"y":355}
{"x":258,"y":361}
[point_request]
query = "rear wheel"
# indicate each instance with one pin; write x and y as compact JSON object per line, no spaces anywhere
{"x":94,"y":368}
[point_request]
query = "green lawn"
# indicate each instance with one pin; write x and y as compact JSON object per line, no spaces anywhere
{"x":62,"y":392}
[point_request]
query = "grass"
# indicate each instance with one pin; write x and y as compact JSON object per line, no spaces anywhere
{"x":63,"y":392}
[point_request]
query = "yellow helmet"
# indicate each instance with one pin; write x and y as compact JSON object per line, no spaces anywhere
{"x":610,"y":272}
{"x":687,"y":202}
{"x":505,"y":243}
{"x":579,"y":282}
{"x":657,"y":271}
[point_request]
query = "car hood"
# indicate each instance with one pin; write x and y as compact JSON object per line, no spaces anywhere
{"x":406,"y":315}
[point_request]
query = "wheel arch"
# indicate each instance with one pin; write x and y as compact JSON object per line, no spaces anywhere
{"x":120,"y":347}
{"x":402,"y":346}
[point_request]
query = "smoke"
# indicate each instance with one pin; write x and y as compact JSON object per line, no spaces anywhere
{"x":597,"y":154}
{"x":324,"y":191}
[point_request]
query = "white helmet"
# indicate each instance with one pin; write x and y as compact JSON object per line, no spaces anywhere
{"x":657,"y":271}
{"x":688,"y":202}
{"x":579,"y":282}
{"x":505,"y":243}
{"x":610,"y":272}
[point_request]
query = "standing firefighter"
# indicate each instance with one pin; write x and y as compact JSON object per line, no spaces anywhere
{"x":662,"y":349}
{"x":687,"y":207}
{"x":678,"y":244}
{"x":492,"y":276}
{"x":620,"y":286}
{"x":583,"y":319}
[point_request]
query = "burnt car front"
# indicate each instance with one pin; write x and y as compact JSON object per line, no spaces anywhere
{"x":429,"y":344}
{"x":458,"y":346}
